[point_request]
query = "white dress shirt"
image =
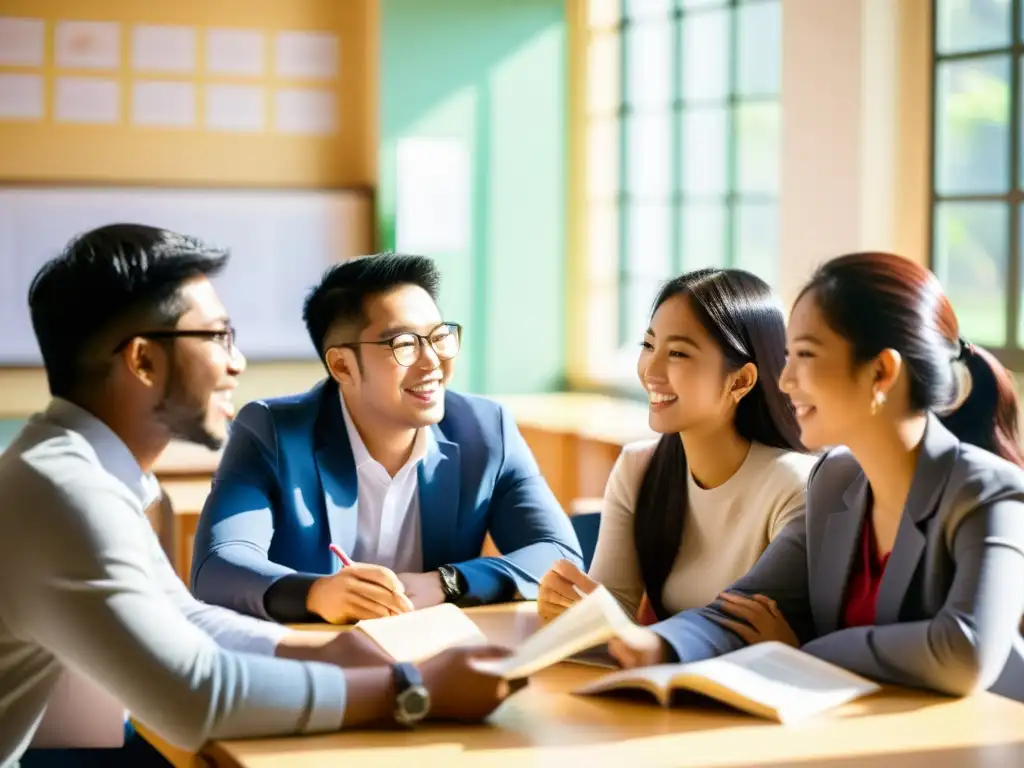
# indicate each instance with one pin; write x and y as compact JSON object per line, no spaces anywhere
{"x":388,"y":528}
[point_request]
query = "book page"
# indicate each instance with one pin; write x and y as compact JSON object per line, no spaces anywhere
{"x":773,"y":677}
{"x":418,"y":635}
{"x":595,"y":619}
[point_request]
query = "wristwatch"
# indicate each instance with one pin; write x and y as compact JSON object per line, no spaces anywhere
{"x":412,"y":699}
{"x":453,"y":583}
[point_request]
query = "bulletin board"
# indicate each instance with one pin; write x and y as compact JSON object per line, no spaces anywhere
{"x":250,"y":93}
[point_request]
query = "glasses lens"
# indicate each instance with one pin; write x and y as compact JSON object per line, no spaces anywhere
{"x":445,"y":342}
{"x":406,"y":348}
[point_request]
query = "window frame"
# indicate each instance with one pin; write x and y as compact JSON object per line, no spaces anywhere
{"x":1011,"y":354}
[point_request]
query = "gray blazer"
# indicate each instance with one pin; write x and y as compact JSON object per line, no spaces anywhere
{"x":952,"y":595}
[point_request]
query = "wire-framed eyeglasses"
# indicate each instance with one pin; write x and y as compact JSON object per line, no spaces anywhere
{"x":445,"y":340}
{"x":223,"y":336}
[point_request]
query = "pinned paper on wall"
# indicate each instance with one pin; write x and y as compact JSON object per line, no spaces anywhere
{"x":239,"y":52}
{"x":87,"y":100}
{"x":306,"y":55}
{"x":305,"y":111}
{"x":163,"y":49}
{"x":22,"y":42}
{"x":432,"y":206}
{"x":88,"y":44}
{"x":238,"y":108}
{"x":163,"y":104}
{"x":22,"y":97}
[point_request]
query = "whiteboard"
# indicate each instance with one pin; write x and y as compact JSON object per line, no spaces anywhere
{"x":280,"y":243}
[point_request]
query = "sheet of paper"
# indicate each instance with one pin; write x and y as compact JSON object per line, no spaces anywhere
{"x":432,"y":210}
{"x":163,"y":49}
{"x":163,"y":104}
{"x":594,"y":620}
{"x":87,"y":100}
{"x":418,"y":635}
{"x":305,"y":111}
{"x":235,"y":52}
{"x":235,"y":108}
{"x":306,"y":55}
{"x":22,"y":97}
{"x":22,"y":42}
{"x":88,"y":44}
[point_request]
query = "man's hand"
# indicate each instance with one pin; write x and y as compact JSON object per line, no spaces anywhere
{"x":423,"y":589}
{"x":644,"y":649}
{"x":457,"y":690}
{"x":557,"y":589}
{"x":358,"y":591}
{"x":344,"y":649}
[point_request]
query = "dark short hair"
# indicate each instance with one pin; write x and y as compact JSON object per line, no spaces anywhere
{"x":341,"y":296}
{"x":741,"y":314}
{"x":878,"y":301}
{"x":108,"y":281}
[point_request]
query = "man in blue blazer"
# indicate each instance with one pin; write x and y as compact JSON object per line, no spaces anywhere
{"x":381,"y":462}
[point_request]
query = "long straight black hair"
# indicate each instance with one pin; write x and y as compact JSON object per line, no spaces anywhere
{"x":742,"y":316}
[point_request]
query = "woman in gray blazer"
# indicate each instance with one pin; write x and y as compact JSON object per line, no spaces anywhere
{"x":909,"y":565}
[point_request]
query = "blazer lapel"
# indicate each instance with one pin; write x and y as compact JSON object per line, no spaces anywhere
{"x":842,"y":534}
{"x":938,"y":453}
{"x":338,"y":480}
{"x":439,"y":501}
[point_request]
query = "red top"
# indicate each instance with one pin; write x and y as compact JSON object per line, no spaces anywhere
{"x":865,"y":578}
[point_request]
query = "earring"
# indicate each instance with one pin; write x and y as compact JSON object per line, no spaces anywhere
{"x":877,"y":402}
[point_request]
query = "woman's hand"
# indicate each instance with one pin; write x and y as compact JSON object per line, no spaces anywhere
{"x":557,"y":590}
{"x":765,"y":620}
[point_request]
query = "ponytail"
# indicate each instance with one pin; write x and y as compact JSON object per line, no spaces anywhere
{"x":984,"y":411}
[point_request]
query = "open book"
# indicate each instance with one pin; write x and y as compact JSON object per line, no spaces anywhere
{"x":418,"y":635}
{"x":594,"y":620}
{"x":770,"y":679}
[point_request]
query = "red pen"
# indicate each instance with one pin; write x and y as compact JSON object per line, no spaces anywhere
{"x":340,"y":554}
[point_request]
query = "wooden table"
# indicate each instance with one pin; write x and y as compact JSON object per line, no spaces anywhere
{"x":543,"y":725}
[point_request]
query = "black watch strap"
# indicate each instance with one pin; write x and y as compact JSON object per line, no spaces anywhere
{"x":453,"y":583}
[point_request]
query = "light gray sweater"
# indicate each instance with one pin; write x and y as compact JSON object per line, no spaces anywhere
{"x":85,"y":585}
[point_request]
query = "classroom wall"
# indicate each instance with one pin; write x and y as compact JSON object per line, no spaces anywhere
{"x":55,"y":153}
{"x":490,"y":76}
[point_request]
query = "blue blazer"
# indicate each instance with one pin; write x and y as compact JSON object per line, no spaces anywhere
{"x":286,"y":488}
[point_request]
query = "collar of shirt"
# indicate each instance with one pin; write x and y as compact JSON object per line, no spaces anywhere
{"x":112,"y":453}
{"x":424,"y":444}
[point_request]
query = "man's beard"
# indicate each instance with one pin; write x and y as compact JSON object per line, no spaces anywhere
{"x":184,"y":415}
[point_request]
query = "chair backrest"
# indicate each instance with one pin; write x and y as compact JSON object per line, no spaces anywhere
{"x":586,"y":525}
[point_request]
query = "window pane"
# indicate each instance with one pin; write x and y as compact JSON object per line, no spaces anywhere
{"x":638,"y":9}
{"x":704,"y":152}
{"x":970,"y":261}
{"x":603,"y":159}
{"x":687,"y":4}
{"x":705,"y":46}
{"x":648,"y":149}
{"x":756,"y":240}
{"x":649,"y":242}
{"x":757,"y":128}
{"x":969,"y":25}
{"x":702,"y":231}
{"x":603,"y":68}
{"x":759,"y":48}
{"x":602,"y":14}
{"x":648,"y":63}
{"x":972,"y":134}
{"x":603,"y":242}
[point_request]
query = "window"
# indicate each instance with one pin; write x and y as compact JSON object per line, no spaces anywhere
{"x":976,"y":168}
{"x":683,"y":122}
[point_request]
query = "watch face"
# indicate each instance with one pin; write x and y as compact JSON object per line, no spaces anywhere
{"x":413,"y":705}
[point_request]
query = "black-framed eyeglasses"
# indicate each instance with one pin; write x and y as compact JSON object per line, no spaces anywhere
{"x":223,"y":336}
{"x":445,"y":340}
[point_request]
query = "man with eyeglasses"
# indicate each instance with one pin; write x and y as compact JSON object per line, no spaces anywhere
{"x":138,"y":350}
{"x":381,"y":461}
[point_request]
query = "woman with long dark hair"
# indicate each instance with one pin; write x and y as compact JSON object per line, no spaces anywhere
{"x":685,"y":515}
{"x":909,"y":567}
